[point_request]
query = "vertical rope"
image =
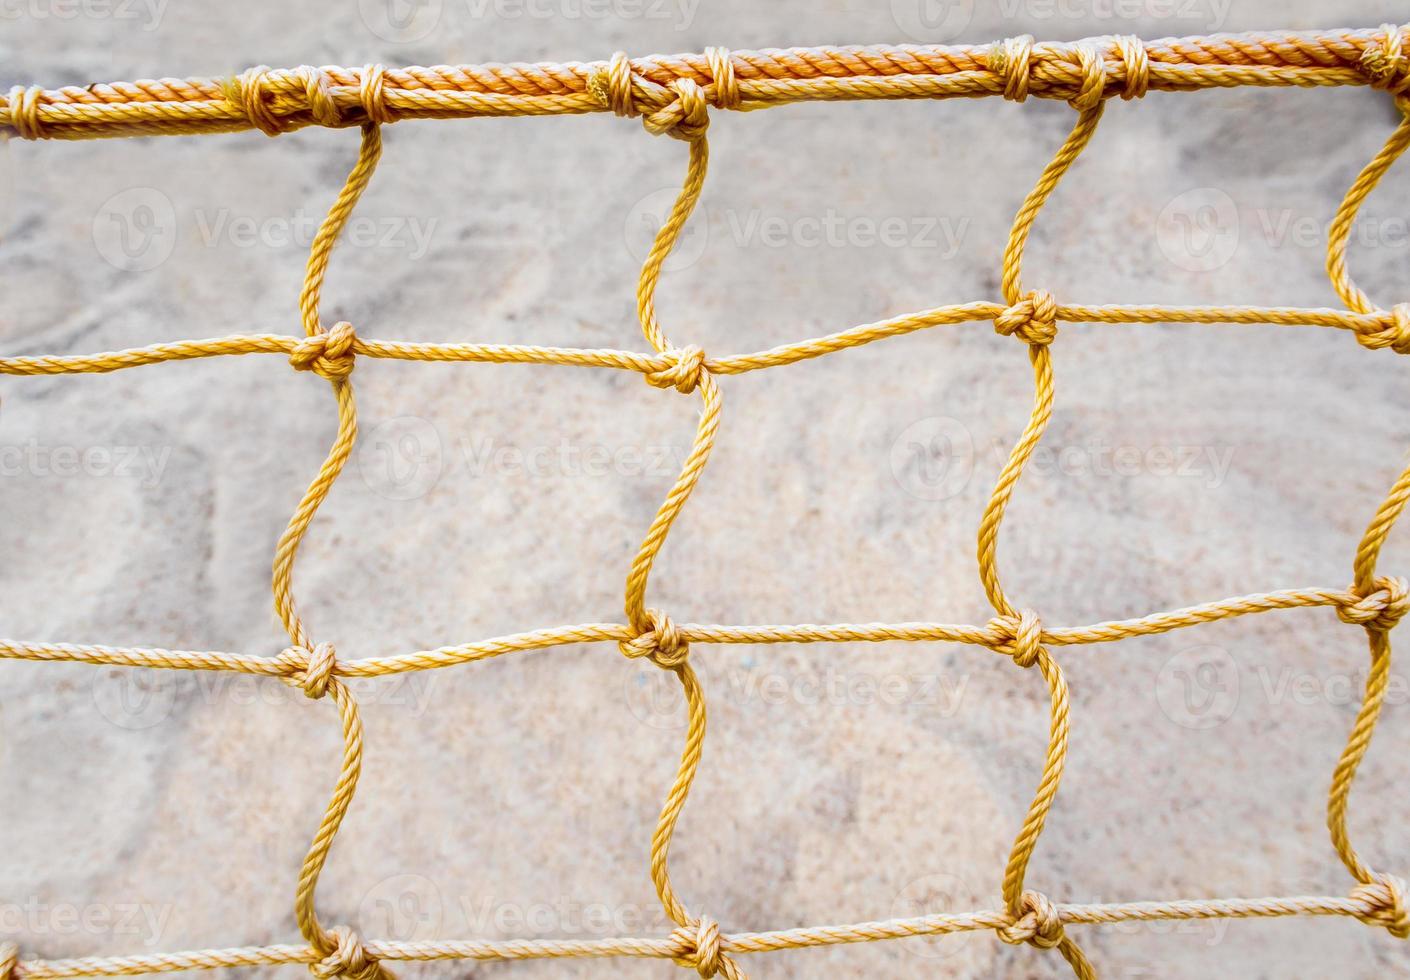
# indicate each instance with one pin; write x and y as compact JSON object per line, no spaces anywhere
{"x":1032,"y":320}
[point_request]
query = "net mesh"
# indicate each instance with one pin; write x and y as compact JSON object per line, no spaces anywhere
{"x":674,"y":96}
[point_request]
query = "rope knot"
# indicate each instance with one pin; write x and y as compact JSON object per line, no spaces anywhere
{"x":1023,"y":637}
{"x":704,"y":951}
{"x":311,"y":670}
{"x":1032,"y":319}
{"x":372,"y":94}
{"x":321,"y":104}
{"x":24,"y":117}
{"x":1132,"y":51}
{"x":684,"y":372}
{"x":329,"y":355}
{"x":1394,"y":332}
{"x":1037,"y":923}
{"x":1380,"y":609}
{"x":680,"y":109}
{"x":9,"y":960}
{"x":1011,"y":59}
{"x":1385,"y":65}
{"x":347,"y":959}
{"x":1384,"y":898}
{"x":660,"y":642}
{"x":248,"y":94}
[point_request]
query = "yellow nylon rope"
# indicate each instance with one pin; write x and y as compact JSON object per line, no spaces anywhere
{"x":673,"y":96}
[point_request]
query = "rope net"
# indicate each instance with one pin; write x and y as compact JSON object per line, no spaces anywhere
{"x":674,"y":96}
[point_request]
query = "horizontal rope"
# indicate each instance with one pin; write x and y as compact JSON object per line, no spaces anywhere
{"x":1362,"y":324}
{"x":675,"y":946}
{"x":993,"y":634}
{"x":282,"y":100}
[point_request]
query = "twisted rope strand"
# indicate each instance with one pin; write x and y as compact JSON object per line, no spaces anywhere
{"x":673,"y":95}
{"x":279,"y":101}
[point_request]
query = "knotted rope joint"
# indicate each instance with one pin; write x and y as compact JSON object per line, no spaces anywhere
{"x":705,"y":950}
{"x":1017,"y":62}
{"x":1032,"y":319}
{"x":24,"y":117}
{"x":1037,"y":923}
{"x":1385,"y":900}
{"x":1386,"y":65}
{"x":251,"y":94}
{"x":311,"y":670}
{"x":1024,"y":637}
{"x":680,"y":109}
{"x":1394,"y":332}
{"x":1379,"y":609}
{"x":347,"y":959}
{"x":329,"y":355}
{"x":684,"y":373}
{"x":660,"y":642}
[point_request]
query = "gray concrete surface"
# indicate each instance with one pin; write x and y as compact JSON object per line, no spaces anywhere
{"x":840,"y":783}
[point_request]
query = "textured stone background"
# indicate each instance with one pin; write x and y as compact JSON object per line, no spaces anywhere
{"x":840,"y":783}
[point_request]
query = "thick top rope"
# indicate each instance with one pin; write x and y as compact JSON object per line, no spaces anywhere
{"x":674,"y":96}
{"x":664,"y":89}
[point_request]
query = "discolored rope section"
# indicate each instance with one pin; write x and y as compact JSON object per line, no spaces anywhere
{"x":675,"y":96}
